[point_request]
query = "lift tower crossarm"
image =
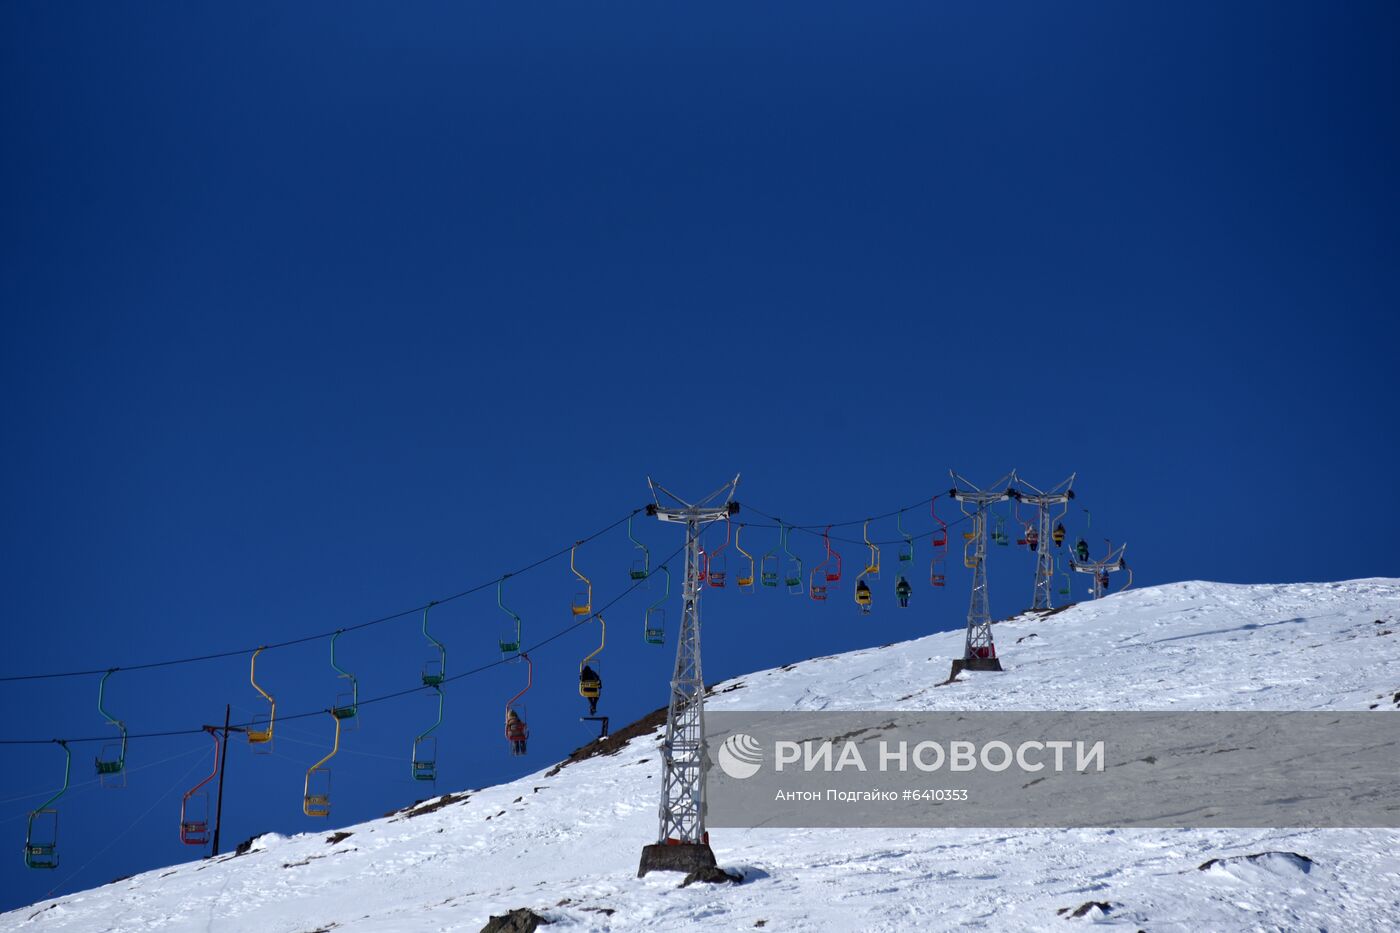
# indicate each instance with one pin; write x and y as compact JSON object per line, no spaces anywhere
{"x":1111,"y":563}
{"x":1044,"y":501}
{"x":682,"y":842}
{"x":979,"y":652}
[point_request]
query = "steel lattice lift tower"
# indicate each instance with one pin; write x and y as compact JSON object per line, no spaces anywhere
{"x":1044,"y":501}
{"x":979,"y":652}
{"x":1111,"y":563}
{"x":683,"y":844}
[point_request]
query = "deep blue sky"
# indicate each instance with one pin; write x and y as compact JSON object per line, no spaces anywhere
{"x":315,"y":312}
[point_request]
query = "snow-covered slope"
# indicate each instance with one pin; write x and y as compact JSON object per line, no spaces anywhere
{"x":566,"y":843}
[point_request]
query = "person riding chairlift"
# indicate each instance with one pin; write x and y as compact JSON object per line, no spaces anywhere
{"x":902,"y":589}
{"x":516,"y":733}
{"x":1058,"y":534}
{"x":1081,"y":549}
{"x":1032,"y":538}
{"x":1103,"y":580}
{"x":588,"y":677}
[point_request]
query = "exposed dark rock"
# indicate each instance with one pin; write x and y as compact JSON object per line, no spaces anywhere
{"x":520,"y":920}
{"x":1301,"y":862}
{"x":711,"y":875}
{"x":1084,"y":908}
{"x":341,"y":836}
{"x":434,"y":804}
{"x":244,"y":847}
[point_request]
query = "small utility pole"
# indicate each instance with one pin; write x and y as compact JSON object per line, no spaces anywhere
{"x":223,"y":763}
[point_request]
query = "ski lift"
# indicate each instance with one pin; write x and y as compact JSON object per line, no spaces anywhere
{"x":1064,"y":585}
{"x":936,"y":575}
{"x":590,"y":684}
{"x":194,"y":805}
{"x":435,"y":669}
{"x":745,"y":582}
{"x":872,"y":566}
{"x":906,"y":550}
{"x":999,"y":535}
{"x":940,"y":534}
{"x":872,"y":570}
{"x":1032,"y":538}
{"x":316,"y":797}
{"x":832,"y":576}
{"x":111,"y":761}
{"x":821,"y":576}
{"x":41,"y":836}
{"x":583,"y":601}
{"x":770,"y":564}
{"x":347,"y":705}
{"x":793,"y":577}
{"x":654,"y":622}
{"x":260,"y":729}
{"x":424,"y":762}
{"x":641,"y":567}
{"x":508,"y":644}
{"x":715,"y":561}
{"x":517,"y":728}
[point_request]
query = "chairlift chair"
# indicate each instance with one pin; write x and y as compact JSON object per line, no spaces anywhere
{"x":317,"y":799}
{"x":768,"y":569}
{"x":936,"y":574}
{"x":425,"y":758}
{"x":345,"y":708}
{"x":654,"y":626}
{"x":518,"y":730}
{"x":591,"y":688}
{"x":641,"y":567}
{"x":41,"y":840}
{"x":939,"y":540}
{"x":833,"y":576}
{"x":347,"y":705}
{"x":744,"y":581}
{"x":583,"y":600}
{"x":999,"y":535}
{"x":260,"y":734}
{"x":41,"y":834}
{"x":194,"y":819}
{"x":654,"y":620}
{"x":111,"y":759}
{"x":716,"y":565}
{"x":260,"y":730}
